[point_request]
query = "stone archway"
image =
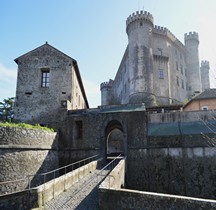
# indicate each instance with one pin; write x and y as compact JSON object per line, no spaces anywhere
{"x":115,"y":139}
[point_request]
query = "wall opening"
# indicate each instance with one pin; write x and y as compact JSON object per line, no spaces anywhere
{"x":115,"y":143}
{"x":78,"y":129}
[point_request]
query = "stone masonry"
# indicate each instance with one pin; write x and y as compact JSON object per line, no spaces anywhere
{"x":156,"y":68}
{"x":48,"y":84}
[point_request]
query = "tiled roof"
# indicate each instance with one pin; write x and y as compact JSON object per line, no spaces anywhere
{"x":210,"y":93}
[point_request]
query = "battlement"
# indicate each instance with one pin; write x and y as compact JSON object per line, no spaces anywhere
{"x":160,"y":29}
{"x":191,"y":36}
{"x":205,"y":63}
{"x":166,"y":32}
{"x":106,"y":84}
{"x":140,"y":15}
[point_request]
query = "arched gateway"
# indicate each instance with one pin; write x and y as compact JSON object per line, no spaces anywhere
{"x":115,"y":139}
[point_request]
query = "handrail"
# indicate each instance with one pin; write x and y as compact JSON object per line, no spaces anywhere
{"x":11,"y":181}
{"x":95,"y":177}
{"x":63,"y":167}
{"x":109,"y":163}
{"x":43,"y":175}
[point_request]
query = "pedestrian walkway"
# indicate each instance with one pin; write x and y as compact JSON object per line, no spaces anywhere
{"x":81,"y":196}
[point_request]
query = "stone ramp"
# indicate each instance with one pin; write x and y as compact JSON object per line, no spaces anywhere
{"x":82,"y":195}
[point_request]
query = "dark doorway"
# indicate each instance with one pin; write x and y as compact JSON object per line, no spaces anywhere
{"x":114,"y":139}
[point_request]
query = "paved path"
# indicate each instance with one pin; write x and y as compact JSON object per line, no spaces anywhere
{"x":81,"y":196}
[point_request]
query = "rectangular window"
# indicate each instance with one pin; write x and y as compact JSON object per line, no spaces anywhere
{"x":45,"y":74}
{"x":78,"y":129}
{"x":177,"y":80}
{"x":177,"y":66}
{"x":182,"y":83}
{"x":205,"y":108}
{"x":161,"y":74}
{"x":181,"y":68}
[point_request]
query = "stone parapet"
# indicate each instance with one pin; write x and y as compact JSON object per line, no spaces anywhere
{"x":15,"y":137}
{"x":191,"y":36}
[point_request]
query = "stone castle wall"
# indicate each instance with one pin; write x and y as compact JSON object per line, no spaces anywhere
{"x":179,"y":156}
{"x":166,"y":152}
{"x":156,"y":68}
{"x":25,"y":152}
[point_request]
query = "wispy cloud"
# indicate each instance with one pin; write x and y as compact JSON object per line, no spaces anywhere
{"x":7,"y":82}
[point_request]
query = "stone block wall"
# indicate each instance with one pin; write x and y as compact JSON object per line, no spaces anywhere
{"x":179,"y":171}
{"x":25,"y":152}
{"x":179,"y":156}
{"x":112,"y":199}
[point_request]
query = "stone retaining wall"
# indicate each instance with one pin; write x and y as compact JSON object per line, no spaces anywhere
{"x":25,"y":152}
{"x":112,"y":199}
{"x":37,"y":197}
{"x":116,"y":178}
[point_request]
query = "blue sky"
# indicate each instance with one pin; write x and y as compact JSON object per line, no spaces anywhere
{"x":93,"y":33}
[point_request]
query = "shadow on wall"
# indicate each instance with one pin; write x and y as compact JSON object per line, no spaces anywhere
{"x":25,"y":152}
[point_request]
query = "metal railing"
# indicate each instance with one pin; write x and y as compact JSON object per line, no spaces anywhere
{"x":109,"y":167}
{"x":32,"y":181}
{"x":98,"y":177}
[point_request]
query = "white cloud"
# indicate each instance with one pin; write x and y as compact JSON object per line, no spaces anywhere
{"x":7,"y":82}
{"x":92,"y":93}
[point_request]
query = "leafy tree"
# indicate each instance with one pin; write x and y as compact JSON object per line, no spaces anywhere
{"x":7,"y":110}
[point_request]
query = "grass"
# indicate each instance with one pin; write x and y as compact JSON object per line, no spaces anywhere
{"x":24,"y":125}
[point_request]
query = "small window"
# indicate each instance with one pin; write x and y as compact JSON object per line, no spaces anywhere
{"x":177,"y":66}
{"x":205,"y":108}
{"x":161,"y":74}
{"x":177,"y":81}
{"x":78,"y":129}
{"x":45,"y":74}
{"x":181,"y":68}
{"x":182,"y":83}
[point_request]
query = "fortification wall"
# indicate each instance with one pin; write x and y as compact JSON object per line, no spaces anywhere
{"x":179,"y":157}
{"x":112,"y":199}
{"x":179,"y":171}
{"x":25,"y":152}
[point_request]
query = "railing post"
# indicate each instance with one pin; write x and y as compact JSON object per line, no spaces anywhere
{"x":29,"y":182}
{"x":44,"y":189}
{"x":54,"y":184}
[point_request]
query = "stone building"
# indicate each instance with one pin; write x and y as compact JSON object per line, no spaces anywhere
{"x":156,"y":68}
{"x":48,"y":84}
{"x":205,"y":75}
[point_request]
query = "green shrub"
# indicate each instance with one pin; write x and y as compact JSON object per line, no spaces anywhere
{"x":24,"y":125}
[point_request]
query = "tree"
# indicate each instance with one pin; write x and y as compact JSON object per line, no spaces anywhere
{"x":7,"y":110}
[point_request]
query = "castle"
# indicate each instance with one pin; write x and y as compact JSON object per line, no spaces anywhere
{"x":156,"y":69}
{"x":166,"y":152}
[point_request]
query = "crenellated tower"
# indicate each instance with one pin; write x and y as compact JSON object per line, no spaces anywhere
{"x":139,"y":28}
{"x":193,"y":68}
{"x":105,"y":88}
{"x":205,"y":75}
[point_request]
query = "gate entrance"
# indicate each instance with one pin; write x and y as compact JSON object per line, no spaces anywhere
{"x":114,"y":139}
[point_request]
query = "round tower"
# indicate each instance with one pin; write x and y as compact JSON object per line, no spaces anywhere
{"x":139,"y":28}
{"x":193,"y":70}
{"x":205,"y":75}
{"x":105,"y":88}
